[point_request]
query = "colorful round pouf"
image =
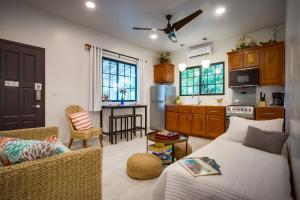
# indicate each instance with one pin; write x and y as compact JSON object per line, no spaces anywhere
{"x":180,"y":150}
{"x":144,"y":166}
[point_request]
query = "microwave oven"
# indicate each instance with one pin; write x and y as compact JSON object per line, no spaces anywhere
{"x":244,"y":78}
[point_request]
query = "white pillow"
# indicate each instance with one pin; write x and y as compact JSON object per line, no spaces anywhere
{"x":238,"y":127}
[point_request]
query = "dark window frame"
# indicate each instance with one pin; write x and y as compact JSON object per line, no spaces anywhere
{"x":200,"y":81}
{"x":117,"y":74}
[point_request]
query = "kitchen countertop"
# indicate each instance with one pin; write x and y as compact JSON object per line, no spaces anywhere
{"x":194,"y":105}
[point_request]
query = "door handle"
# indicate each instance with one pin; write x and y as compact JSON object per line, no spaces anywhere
{"x":269,"y":113}
{"x":37,"y":106}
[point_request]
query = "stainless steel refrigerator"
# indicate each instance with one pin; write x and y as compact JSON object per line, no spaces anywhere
{"x":160,"y":96}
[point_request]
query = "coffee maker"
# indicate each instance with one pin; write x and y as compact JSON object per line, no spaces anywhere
{"x":278,"y":99}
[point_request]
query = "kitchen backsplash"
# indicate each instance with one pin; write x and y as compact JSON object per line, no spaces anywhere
{"x":268,"y":90}
{"x":250,"y":95}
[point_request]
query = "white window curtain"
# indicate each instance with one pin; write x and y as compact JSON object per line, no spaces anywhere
{"x":140,"y":85}
{"x":95,"y":89}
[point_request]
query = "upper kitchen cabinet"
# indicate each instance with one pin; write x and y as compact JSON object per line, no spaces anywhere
{"x":243,"y":59}
{"x":251,"y":58}
{"x":268,"y":58}
{"x":235,"y":60}
{"x":272,"y":64}
{"x":164,"y":73}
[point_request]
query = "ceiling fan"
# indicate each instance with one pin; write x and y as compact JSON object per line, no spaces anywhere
{"x":171,"y":28}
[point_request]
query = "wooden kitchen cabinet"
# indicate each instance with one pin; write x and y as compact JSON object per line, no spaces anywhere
{"x":171,"y":118}
{"x":215,"y":121}
{"x":235,"y":60}
{"x":171,"y":121}
{"x":215,"y":126}
{"x":268,"y":58}
{"x":164,"y":73}
{"x":198,"y":125}
{"x":184,"y":123}
{"x":199,"y":121}
{"x":272,"y":64}
{"x":251,"y":58}
{"x":243,"y":59}
{"x":267,"y":113}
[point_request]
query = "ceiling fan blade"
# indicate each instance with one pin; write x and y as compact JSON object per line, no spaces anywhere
{"x":146,"y":29}
{"x":178,"y":25}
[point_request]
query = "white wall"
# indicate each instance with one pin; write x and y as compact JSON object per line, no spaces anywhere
{"x":293,"y":88}
{"x":220,"y":49}
{"x":67,"y":75}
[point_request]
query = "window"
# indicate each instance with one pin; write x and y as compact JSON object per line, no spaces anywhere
{"x":117,"y":75}
{"x":198,"y":80}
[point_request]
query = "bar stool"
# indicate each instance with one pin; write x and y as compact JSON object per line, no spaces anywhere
{"x":113,"y":120}
{"x":134,"y":128}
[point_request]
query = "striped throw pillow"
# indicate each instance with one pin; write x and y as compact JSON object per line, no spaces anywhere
{"x":81,"y":121}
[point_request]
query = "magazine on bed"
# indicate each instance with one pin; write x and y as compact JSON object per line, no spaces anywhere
{"x":200,"y":166}
{"x":212,"y":163}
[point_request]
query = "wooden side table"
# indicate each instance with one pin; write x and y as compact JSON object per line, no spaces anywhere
{"x":182,"y":138}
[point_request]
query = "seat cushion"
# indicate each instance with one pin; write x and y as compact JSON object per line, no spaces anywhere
{"x":180,"y":150}
{"x":81,"y":121}
{"x":87,"y":134}
{"x":144,"y":166}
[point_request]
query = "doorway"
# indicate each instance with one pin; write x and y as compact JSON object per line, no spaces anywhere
{"x":22,"y":86}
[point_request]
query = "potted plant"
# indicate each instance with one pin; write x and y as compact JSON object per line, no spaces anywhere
{"x":165,"y":57}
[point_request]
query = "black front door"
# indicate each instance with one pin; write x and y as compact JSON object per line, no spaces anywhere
{"x":22,"y":86}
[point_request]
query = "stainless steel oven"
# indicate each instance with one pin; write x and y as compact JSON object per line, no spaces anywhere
{"x":244,"y":111}
{"x":244,"y":78}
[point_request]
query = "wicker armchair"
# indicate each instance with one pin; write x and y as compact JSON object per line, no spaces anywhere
{"x":75,"y":175}
{"x":83,"y":135}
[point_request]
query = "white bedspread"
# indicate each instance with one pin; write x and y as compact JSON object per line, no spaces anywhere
{"x":247,"y":174}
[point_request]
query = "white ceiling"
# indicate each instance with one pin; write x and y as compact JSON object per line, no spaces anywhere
{"x":117,"y":17}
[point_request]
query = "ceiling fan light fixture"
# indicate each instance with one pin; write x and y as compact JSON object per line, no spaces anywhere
{"x":172,"y":37}
{"x":182,"y":66}
{"x":205,"y":63}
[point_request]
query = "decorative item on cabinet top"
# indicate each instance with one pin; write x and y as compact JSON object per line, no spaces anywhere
{"x":165,"y":57}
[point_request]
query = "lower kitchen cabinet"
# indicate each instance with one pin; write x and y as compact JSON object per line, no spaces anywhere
{"x":171,"y":121}
{"x":184,"y":123}
{"x":198,"y":125}
{"x":199,"y":121}
{"x":215,"y":125}
{"x":267,"y":113}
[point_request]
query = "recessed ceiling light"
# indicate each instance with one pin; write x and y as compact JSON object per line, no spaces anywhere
{"x":154,"y":29}
{"x":90,"y":4}
{"x":153,"y":36}
{"x":220,"y":11}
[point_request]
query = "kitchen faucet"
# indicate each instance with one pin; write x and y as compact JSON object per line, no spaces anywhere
{"x":198,"y":98}
{"x":199,"y":101}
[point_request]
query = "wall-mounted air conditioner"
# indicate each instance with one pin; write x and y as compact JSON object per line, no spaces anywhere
{"x":200,"y":50}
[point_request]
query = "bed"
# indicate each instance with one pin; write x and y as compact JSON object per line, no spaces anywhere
{"x":247,"y":174}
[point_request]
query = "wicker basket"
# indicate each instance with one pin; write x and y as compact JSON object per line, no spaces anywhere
{"x":75,"y":175}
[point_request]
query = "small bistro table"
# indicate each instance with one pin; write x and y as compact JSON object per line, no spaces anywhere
{"x":182,"y":138}
{"x":118,"y":107}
